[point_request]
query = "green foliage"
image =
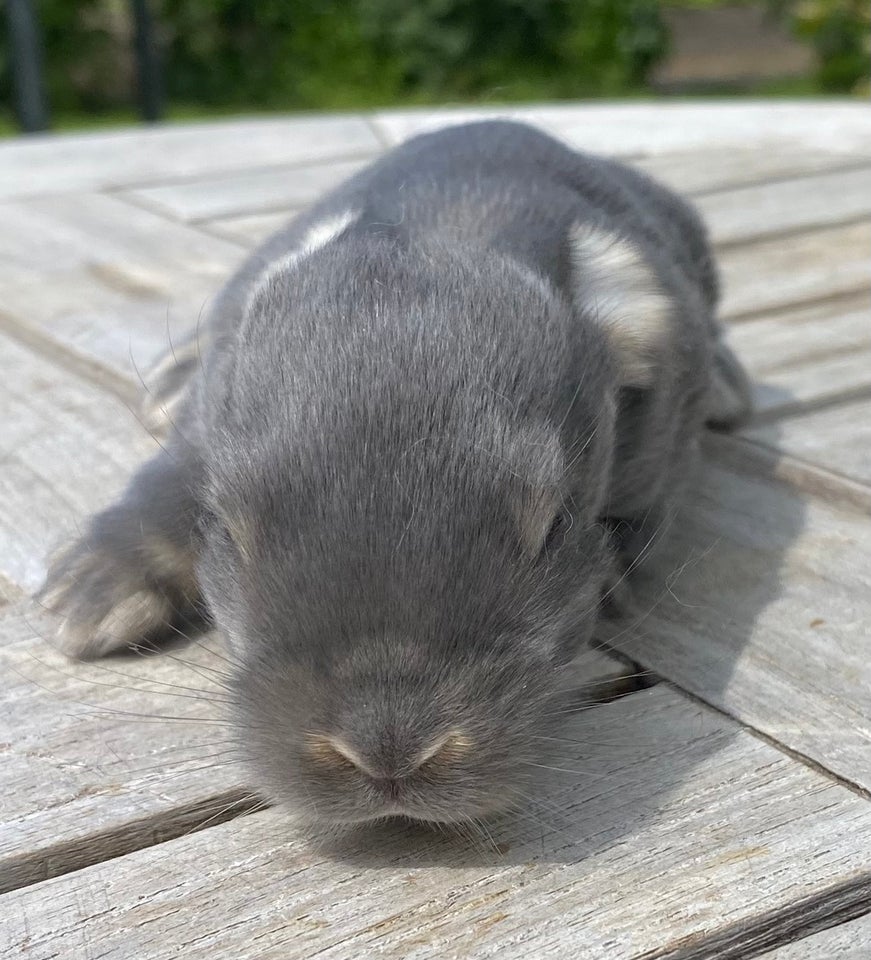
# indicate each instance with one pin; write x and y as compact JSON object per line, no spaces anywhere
{"x":322,"y":54}
{"x":272,"y":53}
{"x":84,"y":45}
{"x":839,"y":31}
{"x":359,"y":52}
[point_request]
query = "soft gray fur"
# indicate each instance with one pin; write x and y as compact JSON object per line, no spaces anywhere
{"x":409,"y":462}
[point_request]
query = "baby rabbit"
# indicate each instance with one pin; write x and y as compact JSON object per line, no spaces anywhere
{"x":425,"y":428}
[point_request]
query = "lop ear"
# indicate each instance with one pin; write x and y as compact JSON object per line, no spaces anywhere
{"x":615,"y":284}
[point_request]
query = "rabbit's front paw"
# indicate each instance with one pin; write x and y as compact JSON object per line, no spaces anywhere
{"x":103,"y":604}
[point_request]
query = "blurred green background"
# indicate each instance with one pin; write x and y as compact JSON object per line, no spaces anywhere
{"x":232,"y":56}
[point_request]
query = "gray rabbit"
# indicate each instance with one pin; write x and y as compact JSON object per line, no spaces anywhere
{"x":425,"y":429}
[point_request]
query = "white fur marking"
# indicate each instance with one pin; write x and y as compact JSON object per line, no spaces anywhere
{"x":316,"y":237}
{"x":618,"y":284}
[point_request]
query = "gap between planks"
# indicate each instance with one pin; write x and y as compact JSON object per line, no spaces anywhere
{"x":848,"y":939}
{"x":791,"y":925}
{"x":765,"y":614}
{"x":799,"y":408}
{"x":22,"y":869}
{"x":803,"y":758}
{"x":664,"y":862}
{"x":66,"y":357}
{"x":749,"y":456}
{"x":363,"y":154}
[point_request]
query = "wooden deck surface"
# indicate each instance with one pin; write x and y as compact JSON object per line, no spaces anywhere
{"x":723,"y":812}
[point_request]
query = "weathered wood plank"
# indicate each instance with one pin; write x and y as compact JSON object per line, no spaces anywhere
{"x":681,"y":836}
{"x":89,"y":769}
{"x":847,"y":941}
{"x":105,"y":279}
{"x":68,"y":448}
{"x":778,"y":272}
{"x":246,"y":230}
{"x":803,"y":356}
{"x":635,"y":128}
{"x":790,"y":205}
{"x":701,"y":171}
{"x":98,"y":161}
{"x":838,"y":438}
{"x":106,"y":160}
{"x":789,"y":657}
{"x":101,"y":759}
{"x":9,"y":592}
{"x":249,"y":192}
{"x":765,"y":612}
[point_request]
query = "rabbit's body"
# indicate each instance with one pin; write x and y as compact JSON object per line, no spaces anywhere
{"x":426,"y":426}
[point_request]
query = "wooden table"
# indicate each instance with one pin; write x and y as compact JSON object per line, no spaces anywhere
{"x":724,"y":811}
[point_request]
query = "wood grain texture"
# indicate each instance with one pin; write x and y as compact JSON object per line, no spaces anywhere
{"x":662,"y":830}
{"x":104,"y":758}
{"x":97,"y":161}
{"x":249,"y":230}
{"x":847,"y":941}
{"x":9,"y":592}
{"x":252,"y":191}
{"x":838,"y":439}
{"x":702,"y":171}
{"x":792,"y":205}
{"x":783,"y":271}
{"x":634,"y":128}
{"x":67,"y":450}
{"x":806,"y":355}
{"x":681,"y":836}
{"x":105,"y":279}
{"x":758,"y":602}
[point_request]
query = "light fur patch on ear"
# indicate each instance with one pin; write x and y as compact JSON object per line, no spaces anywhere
{"x":618,"y":286}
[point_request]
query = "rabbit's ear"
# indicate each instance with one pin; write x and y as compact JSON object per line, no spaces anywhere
{"x":615,"y":285}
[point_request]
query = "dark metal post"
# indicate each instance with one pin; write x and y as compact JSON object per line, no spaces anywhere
{"x":148,"y":78}
{"x":31,"y":107}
